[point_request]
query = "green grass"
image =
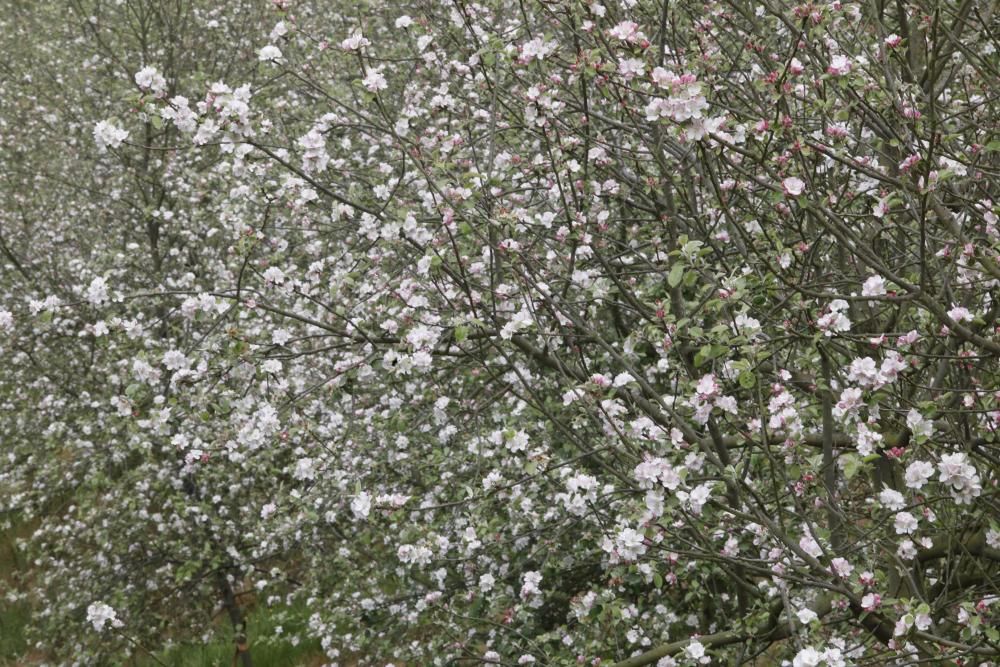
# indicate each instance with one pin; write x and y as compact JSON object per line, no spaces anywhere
{"x":266,"y":648}
{"x":14,"y":617}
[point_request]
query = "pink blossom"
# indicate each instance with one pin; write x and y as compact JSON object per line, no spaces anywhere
{"x":793,"y":186}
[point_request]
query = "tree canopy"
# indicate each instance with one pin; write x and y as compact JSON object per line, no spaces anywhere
{"x":634,"y":332}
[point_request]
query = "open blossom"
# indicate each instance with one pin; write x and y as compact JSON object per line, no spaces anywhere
{"x":630,"y":544}
{"x":696,"y":651}
{"x":918,"y":473}
{"x":841,"y":567}
{"x":536,"y":49}
{"x":807,"y":657}
{"x":892,"y":499}
{"x":686,"y":100}
{"x":627,"y":31}
{"x":839,"y":66}
{"x":100,"y":614}
{"x":960,"y":313}
{"x":961,"y":477}
{"x":97,"y":292}
{"x":793,"y":186}
{"x":867,"y":440}
{"x":871,"y":602}
{"x":707,"y":387}
{"x":175,"y":360}
{"x":314,"y":155}
{"x":920,"y":426}
{"x":810,"y":546}
{"x":863,"y":372}
{"x":149,"y":79}
{"x":874,"y":286}
{"x":529,"y":584}
{"x":305,"y":469}
{"x":630,"y":68}
{"x":375,"y":81}
{"x":108,"y":136}
{"x":355,"y":42}
{"x":274,"y":276}
{"x":905,"y":523}
{"x":835,"y":321}
{"x":361,"y":505}
{"x":269,"y":53}
{"x":519,"y":321}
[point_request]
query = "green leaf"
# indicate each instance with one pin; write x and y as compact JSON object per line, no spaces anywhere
{"x":748,"y":380}
{"x":461,"y":333}
{"x":852,"y":464}
{"x":676,"y":275}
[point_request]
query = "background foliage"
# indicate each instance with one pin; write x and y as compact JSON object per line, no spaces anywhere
{"x":636,"y":332}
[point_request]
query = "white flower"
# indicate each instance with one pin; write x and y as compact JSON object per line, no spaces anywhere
{"x":807,"y":657}
{"x":623,"y":379}
{"x":274,"y":276}
{"x":874,"y":286}
{"x":907,"y":550}
{"x":375,"y":81}
{"x":696,"y":651}
{"x":404,"y":22}
{"x":918,"y":473}
{"x":810,"y":546}
{"x":149,"y":79}
{"x":269,"y":53}
{"x":631,"y":544}
{"x":960,"y":313}
{"x":863,"y":371}
{"x":921,"y":427}
{"x":833,"y":322}
{"x":905,"y":523}
{"x":108,"y":136}
{"x":537,"y":48}
{"x":806,"y":615}
{"x":518,"y":442}
{"x":839,"y":65}
{"x":793,"y":186}
{"x":175,"y":360}
{"x":961,"y":477}
{"x":892,"y":499}
{"x":355,"y":42}
{"x":747,"y":325}
{"x":841,"y":567}
{"x":361,"y":505}
{"x":993,"y":538}
{"x":97,"y":292}
{"x":529,"y":584}
{"x":304,"y":469}
{"x":101,"y":614}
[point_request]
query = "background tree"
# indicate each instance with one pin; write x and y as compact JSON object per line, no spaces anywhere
{"x":548,"y":332}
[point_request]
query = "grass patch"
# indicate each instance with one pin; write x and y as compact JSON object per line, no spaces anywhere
{"x":268,"y":648}
{"x":14,"y":616}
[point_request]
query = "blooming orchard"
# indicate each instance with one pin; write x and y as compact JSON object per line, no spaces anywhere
{"x":625,"y":333}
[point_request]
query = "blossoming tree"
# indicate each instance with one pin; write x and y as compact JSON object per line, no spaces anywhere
{"x":629,"y":332}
